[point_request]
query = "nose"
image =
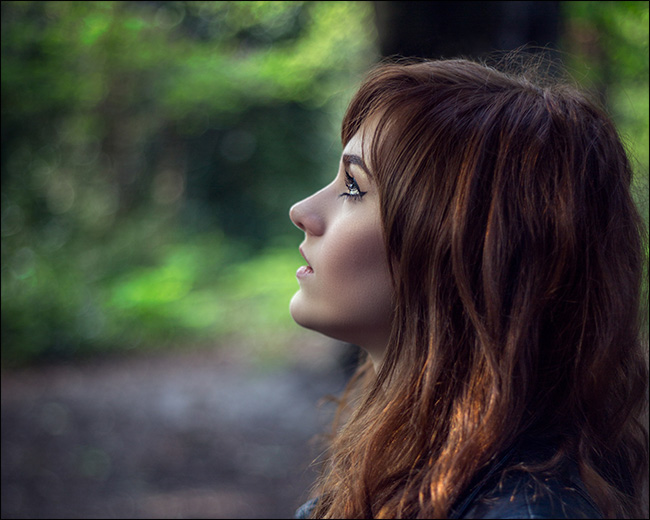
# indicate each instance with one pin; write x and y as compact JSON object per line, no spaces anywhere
{"x":306,"y":215}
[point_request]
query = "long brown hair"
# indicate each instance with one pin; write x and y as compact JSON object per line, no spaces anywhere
{"x":516,"y":253}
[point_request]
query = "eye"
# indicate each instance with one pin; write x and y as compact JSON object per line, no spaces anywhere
{"x":354,"y":192}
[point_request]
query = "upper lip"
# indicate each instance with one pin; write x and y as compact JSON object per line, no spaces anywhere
{"x":303,"y":255}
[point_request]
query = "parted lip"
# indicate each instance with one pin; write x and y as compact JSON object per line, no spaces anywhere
{"x":303,"y":255}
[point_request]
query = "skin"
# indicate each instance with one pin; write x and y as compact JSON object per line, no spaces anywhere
{"x":348,"y":295}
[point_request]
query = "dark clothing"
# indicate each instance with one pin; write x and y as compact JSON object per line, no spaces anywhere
{"x":518,"y":494}
{"x":522,"y":495}
{"x":305,"y":510}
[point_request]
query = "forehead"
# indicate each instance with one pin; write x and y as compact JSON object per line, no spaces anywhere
{"x":360,"y":142}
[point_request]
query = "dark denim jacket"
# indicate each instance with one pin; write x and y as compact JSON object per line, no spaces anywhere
{"x":517,"y":495}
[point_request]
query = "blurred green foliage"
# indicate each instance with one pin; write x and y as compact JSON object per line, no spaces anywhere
{"x":151,"y":151}
{"x":607,"y":52}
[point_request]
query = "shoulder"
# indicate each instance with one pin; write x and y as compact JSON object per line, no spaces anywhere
{"x":520,"y":494}
{"x":517,"y":494}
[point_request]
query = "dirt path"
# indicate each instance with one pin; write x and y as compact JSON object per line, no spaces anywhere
{"x":200,"y":434}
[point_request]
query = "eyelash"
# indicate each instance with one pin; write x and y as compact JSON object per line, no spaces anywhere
{"x":351,"y":184}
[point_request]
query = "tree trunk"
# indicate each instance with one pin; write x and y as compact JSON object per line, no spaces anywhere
{"x":464,"y":29}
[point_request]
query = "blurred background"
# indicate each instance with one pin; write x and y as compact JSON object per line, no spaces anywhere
{"x":150,"y":153}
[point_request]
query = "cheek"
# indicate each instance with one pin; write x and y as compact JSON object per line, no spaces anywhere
{"x":355,"y":267}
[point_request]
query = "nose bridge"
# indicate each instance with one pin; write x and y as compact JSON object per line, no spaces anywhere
{"x":310,"y":214}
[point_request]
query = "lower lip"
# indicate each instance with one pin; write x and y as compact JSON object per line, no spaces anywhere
{"x":304,"y":271}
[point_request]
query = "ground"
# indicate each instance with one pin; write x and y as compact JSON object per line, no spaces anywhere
{"x":199,"y":433}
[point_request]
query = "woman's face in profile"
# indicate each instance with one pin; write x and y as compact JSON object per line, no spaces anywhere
{"x":345,"y":290}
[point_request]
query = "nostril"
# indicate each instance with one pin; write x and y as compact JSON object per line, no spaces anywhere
{"x":295,"y":216}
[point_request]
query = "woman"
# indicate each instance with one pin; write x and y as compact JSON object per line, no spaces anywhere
{"x":480,"y":243}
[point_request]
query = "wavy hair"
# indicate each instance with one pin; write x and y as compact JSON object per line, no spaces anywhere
{"x":516,"y":254}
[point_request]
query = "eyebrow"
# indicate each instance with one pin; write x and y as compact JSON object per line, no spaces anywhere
{"x":356,"y":160}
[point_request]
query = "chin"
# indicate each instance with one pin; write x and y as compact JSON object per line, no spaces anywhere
{"x":301,"y":314}
{"x":309,"y":318}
